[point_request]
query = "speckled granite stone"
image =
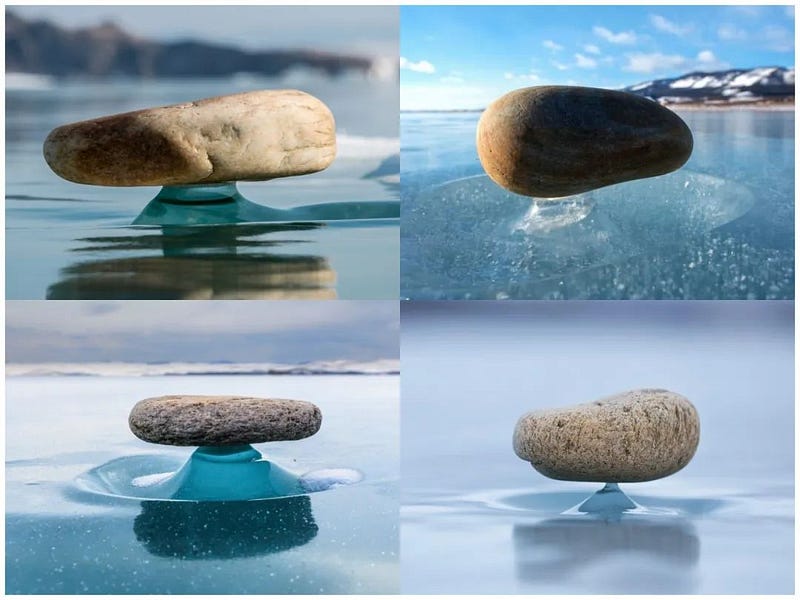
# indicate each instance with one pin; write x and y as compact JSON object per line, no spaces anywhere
{"x":222,"y":420}
{"x":638,"y":435}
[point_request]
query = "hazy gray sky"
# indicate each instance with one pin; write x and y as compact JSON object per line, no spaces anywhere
{"x":371,"y":30}
{"x":199,"y":331}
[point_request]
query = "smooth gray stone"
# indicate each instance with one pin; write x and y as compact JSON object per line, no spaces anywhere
{"x":554,"y":141}
{"x":242,"y":137}
{"x":638,"y":435}
{"x":222,"y":420}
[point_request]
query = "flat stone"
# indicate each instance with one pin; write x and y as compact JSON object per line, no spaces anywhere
{"x":554,"y":141}
{"x":250,"y":136}
{"x":222,"y":420}
{"x":638,"y":435}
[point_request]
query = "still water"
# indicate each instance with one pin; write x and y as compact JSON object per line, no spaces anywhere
{"x":71,"y":241}
{"x":64,"y":539}
{"x":722,"y":227}
{"x":477,"y":519}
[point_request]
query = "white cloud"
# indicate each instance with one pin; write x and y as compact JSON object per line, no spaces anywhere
{"x":584,"y":62}
{"x":640,"y":62}
{"x":435,"y":96}
{"x":559,"y":66}
{"x":528,"y":77}
{"x":422,"y":66}
{"x":167,"y":317}
{"x":623,"y":37}
{"x":747,"y":11}
{"x":452,"y":79}
{"x":663,"y":63}
{"x":729,"y":32}
{"x":591,"y":49}
{"x":771,"y":37}
{"x":706,"y":61}
{"x":667,"y":26}
{"x":551,"y":45}
{"x":777,"y":38}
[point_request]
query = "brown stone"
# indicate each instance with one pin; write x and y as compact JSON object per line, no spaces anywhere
{"x":638,"y":435}
{"x":222,"y":420}
{"x":249,"y":136}
{"x":554,"y":141}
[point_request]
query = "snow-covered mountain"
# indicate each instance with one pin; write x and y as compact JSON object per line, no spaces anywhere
{"x":734,"y":85}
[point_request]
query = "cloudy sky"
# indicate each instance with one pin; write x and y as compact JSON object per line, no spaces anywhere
{"x":236,"y":331}
{"x":371,"y":30}
{"x":465,"y":56}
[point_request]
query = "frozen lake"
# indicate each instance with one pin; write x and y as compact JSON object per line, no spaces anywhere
{"x":722,"y":227}
{"x":477,"y":519}
{"x":70,"y":241}
{"x":61,"y":539}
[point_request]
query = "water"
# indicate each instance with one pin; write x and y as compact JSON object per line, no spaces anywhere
{"x":477,"y":519}
{"x":63,"y":537}
{"x":66,"y":240}
{"x":722,"y":227}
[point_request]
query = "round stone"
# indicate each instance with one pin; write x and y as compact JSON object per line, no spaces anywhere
{"x":638,"y":435}
{"x":554,"y":141}
{"x":249,"y":136}
{"x":222,"y":420}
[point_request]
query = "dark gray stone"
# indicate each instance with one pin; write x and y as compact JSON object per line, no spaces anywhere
{"x":554,"y":141}
{"x":222,"y":420}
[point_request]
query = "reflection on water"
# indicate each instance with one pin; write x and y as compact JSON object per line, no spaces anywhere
{"x":198,"y":278}
{"x":238,"y":209}
{"x":197,"y":263}
{"x":561,"y":549}
{"x":224,"y":530}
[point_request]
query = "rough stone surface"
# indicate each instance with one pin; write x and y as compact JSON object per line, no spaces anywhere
{"x":222,"y":420}
{"x":638,"y":435}
{"x":553,"y":141}
{"x":250,"y":136}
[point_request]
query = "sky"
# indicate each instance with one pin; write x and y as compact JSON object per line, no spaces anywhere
{"x":463,"y":57}
{"x":199,"y":331}
{"x":370,"y":30}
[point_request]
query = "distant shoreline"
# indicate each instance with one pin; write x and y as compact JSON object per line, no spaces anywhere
{"x":787,"y":105}
{"x":766,"y":106}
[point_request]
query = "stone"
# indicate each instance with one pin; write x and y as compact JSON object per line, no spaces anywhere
{"x":222,"y":420}
{"x":554,"y":141}
{"x":638,"y":435}
{"x":242,"y":137}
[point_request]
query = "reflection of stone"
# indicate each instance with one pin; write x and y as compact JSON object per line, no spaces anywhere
{"x":561,"y":549}
{"x":249,"y":136}
{"x":224,"y":530}
{"x":189,"y":239}
{"x":207,"y":276}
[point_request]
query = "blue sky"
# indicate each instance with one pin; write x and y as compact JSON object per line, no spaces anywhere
{"x":456,"y":57}
{"x":201,"y":331}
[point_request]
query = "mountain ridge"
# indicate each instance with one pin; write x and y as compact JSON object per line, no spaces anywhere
{"x":730,"y":86}
{"x":106,"y":50}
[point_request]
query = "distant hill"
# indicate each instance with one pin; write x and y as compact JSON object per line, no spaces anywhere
{"x":106,"y":50}
{"x":774,"y":84}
